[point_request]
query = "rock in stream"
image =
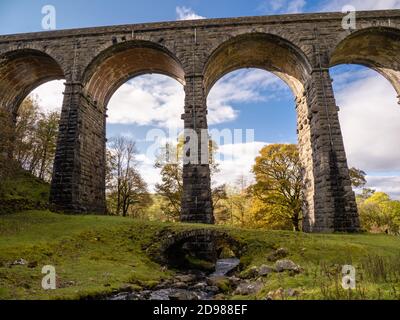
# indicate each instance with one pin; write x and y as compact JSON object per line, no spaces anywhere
{"x":189,"y":286}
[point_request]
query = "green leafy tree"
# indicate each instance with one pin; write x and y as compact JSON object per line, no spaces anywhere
{"x":170,"y":163}
{"x":222,"y":213}
{"x":35,"y":139}
{"x":358,"y":178}
{"x":46,"y":138}
{"x":379,"y":213}
{"x":278,"y":186}
{"x":6,"y":145}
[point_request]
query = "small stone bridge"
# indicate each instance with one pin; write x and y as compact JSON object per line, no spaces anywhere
{"x":171,"y":247}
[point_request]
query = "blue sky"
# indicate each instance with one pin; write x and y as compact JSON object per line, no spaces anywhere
{"x":244,"y":99}
{"x":25,"y":15}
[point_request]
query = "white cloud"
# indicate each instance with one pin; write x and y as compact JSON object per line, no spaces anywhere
{"x":159,"y":100}
{"x":239,"y":162}
{"x":370,"y":119}
{"x":148,"y":100}
{"x":50,"y":95}
{"x":146,"y":168}
{"x":387,"y":184}
{"x":282,"y":6}
{"x":242,"y":86}
{"x":184,"y":13}
{"x":337,"y":5}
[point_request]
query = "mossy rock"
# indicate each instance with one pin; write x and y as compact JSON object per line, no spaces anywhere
{"x":224,"y":285}
{"x":199,"y":264}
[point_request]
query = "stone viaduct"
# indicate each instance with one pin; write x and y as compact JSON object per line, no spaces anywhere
{"x":299,"y":49}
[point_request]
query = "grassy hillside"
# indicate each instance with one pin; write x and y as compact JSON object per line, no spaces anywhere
{"x":23,"y":192}
{"x":98,"y":254}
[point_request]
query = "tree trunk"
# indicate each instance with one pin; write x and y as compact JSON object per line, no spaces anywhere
{"x":296,"y":222}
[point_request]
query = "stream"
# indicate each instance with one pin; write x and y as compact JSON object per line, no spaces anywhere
{"x":193,"y":285}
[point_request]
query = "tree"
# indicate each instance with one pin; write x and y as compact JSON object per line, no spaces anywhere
{"x":222,"y":213}
{"x":239,"y":201}
{"x":278,"y":186}
{"x":134,"y":195}
{"x":379,"y":213}
{"x":170,"y":163}
{"x":357,"y":178}
{"x":24,"y":138}
{"x":35,"y":139}
{"x":127,"y":191}
{"x":46,"y":136}
{"x":6,"y":143}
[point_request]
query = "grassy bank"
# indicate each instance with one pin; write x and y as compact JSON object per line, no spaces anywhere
{"x":23,"y":192}
{"x":95,"y":255}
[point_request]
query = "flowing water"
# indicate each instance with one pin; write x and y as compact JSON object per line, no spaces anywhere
{"x":198,"y":288}
{"x":224,"y":266}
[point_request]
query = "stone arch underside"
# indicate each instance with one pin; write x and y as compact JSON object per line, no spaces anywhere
{"x":286,"y":61}
{"x":21,"y":71}
{"x":81,"y":157}
{"x":120,"y":63}
{"x":263,"y":51}
{"x":377,"y":48}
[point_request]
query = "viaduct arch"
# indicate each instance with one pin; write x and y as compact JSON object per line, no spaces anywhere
{"x":297,"y":48}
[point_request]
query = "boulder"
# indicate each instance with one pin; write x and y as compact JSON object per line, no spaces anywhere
{"x":200,"y":286}
{"x":212,"y":289}
{"x":234,"y":281}
{"x":222,"y":283}
{"x":180,"y":285}
{"x":265,"y":270}
{"x":249,"y":273}
{"x":186,"y":278}
{"x":287,"y":265}
{"x":183,"y":295}
{"x":278,"y":254}
{"x":249,"y":287}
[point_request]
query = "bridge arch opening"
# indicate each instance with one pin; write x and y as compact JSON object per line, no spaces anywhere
{"x":365,"y":67}
{"x":21,"y":71}
{"x":369,"y":117}
{"x":31,"y":87}
{"x":266,"y":70}
{"x":146,"y":111}
{"x":248,"y":109}
{"x":258,"y":50}
{"x":138,"y":87}
{"x":122,"y":62}
{"x":376,"y":48}
{"x":196,"y":249}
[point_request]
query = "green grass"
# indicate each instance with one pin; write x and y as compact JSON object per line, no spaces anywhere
{"x":95,"y":255}
{"x":23,"y":192}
